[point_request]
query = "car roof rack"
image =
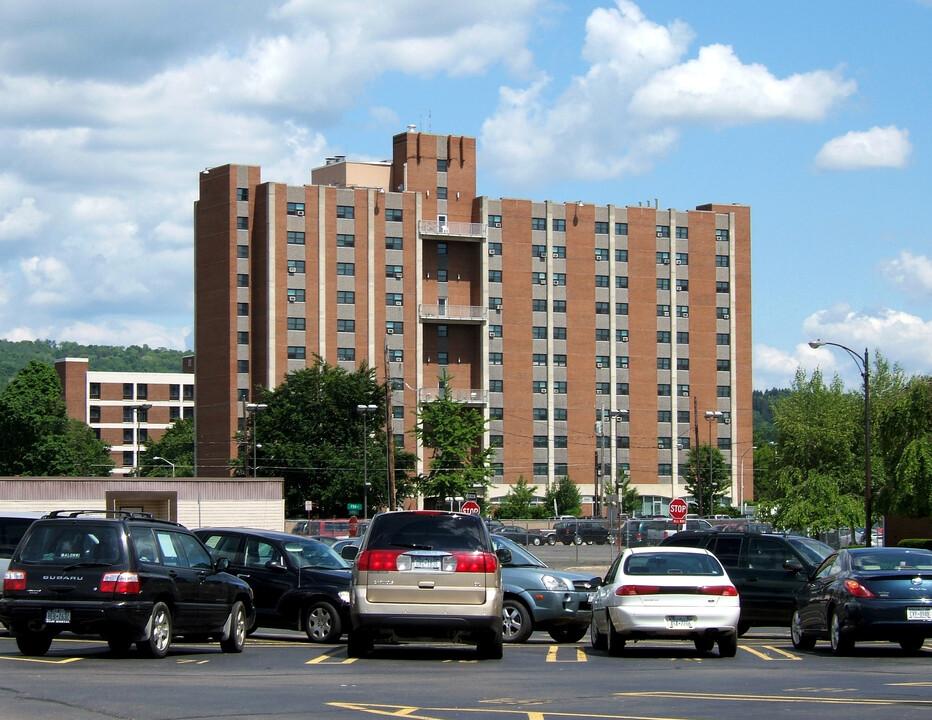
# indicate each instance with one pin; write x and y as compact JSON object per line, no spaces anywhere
{"x":121,"y":514}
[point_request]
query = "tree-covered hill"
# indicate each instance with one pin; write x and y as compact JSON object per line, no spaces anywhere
{"x":103,"y":358}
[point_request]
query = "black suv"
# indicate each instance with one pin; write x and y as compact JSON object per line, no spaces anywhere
{"x":580,"y":531}
{"x":126,"y":577}
{"x":299,"y":583}
{"x":767,"y":570}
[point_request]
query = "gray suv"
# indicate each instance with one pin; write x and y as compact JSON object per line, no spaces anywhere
{"x":426,"y":575}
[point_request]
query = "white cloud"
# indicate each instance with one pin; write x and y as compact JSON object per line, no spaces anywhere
{"x":910,"y":273}
{"x":887,"y":147}
{"x":772,"y":367}
{"x":626,"y":112}
{"x":23,"y":221}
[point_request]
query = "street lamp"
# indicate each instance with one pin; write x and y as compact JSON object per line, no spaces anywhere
{"x":143,"y":407}
{"x":157,"y":457}
{"x":741,"y":487}
{"x":364,"y":410}
{"x":255,"y":408}
{"x":863,"y":364}
{"x":600,"y":431}
{"x":712,"y":416}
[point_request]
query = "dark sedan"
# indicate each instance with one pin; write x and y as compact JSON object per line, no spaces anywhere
{"x":521,"y":535}
{"x":866,"y":594}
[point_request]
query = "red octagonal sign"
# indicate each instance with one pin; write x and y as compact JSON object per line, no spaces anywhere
{"x":470,"y":508}
{"x":678,"y":509}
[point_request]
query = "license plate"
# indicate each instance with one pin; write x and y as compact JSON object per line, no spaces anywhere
{"x":422,"y":563}
{"x":680,"y":621}
{"x":919,"y":613}
{"x":58,"y":617}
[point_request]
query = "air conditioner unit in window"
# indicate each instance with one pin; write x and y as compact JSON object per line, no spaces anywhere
{"x":624,"y":339}
{"x":498,"y":225}
{"x":390,"y":331}
{"x":599,"y":365}
{"x":397,"y":276}
{"x":660,"y":234}
{"x":398,"y":303}
{"x":556,"y":282}
{"x":685,"y":393}
{"x":491,"y":333}
{"x":299,"y":213}
{"x":292,"y":298}
{"x":543,"y":256}
{"x":685,"y":314}
{"x":666,"y":313}
{"x":666,"y":261}
{"x":598,"y":257}
{"x":624,"y":365}
{"x":679,"y":262}
{"x":556,"y":255}
{"x":498,"y":308}
{"x":543,"y":391}
{"x":292,"y":269}
{"x":491,"y":251}
{"x":725,"y":316}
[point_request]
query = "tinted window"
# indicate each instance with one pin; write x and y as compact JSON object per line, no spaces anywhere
{"x":813,"y":550}
{"x":197,"y":556}
{"x":728,"y":550}
{"x":310,"y":553}
{"x":11,"y":532}
{"x":223,"y":546}
{"x":146,"y":548}
{"x":421,"y":531}
{"x":69,"y":543}
{"x":767,"y":553}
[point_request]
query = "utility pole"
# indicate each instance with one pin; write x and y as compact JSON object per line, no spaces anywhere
{"x":389,"y":435}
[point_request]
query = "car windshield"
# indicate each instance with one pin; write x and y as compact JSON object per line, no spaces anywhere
{"x":427,"y":531}
{"x":312,"y":554}
{"x":813,"y":550}
{"x":519,"y":556}
{"x":672,"y":563}
{"x":72,"y":544}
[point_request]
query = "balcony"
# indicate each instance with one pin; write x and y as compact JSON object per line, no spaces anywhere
{"x":472,"y":396}
{"x":432,"y":312}
{"x":459,"y":230}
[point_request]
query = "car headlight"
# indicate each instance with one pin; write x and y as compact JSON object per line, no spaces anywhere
{"x":344,"y":596}
{"x":554,"y":583}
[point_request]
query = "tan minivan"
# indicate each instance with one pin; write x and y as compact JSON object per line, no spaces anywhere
{"x":426,"y":575}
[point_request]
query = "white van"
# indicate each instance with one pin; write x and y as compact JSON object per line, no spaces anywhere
{"x":13,"y":526}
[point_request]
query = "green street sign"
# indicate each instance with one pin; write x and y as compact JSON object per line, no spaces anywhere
{"x":353,"y":507}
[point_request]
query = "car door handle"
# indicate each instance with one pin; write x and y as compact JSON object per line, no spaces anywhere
{"x":244,"y":576}
{"x":752,"y":578}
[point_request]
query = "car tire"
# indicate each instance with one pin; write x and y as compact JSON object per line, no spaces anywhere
{"x":577,"y":540}
{"x":159,"y":639}
{"x":489,"y":646}
{"x":801,"y":641}
{"x":517,"y":624}
{"x":728,"y":645}
{"x":551,"y":540}
{"x":358,"y":644}
{"x":615,"y":642}
{"x":912,"y":644}
{"x":704,"y":644}
{"x":237,"y":622}
{"x":33,"y":644}
{"x":119,"y":644}
{"x":599,"y":641}
{"x":743,"y":628}
{"x":322,"y":623}
{"x":568,"y":633}
{"x":536,"y":541}
{"x":842,"y":644}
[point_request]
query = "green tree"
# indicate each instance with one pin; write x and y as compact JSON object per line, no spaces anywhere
{"x":629,"y":498}
{"x":91,"y":457}
{"x":712,"y":479}
{"x":175,"y":445}
{"x":453,"y":433}
{"x":518,"y":502}
{"x":567,"y":497}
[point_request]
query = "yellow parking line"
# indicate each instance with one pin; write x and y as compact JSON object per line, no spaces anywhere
{"x":762,"y":656}
{"x":330,"y":658}
{"x":784,"y":653}
{"x":62,"y":661}
{"x":552,"y":655}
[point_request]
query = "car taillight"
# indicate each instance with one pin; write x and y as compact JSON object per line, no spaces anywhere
{"x":120,"y":583}
{"x":475,"y":562}
{"x":724,"y":590}
{"x":377,"y":560}
{"x":858,"y":590}
{"x":14,"y":580}
{"x":637,"y":590}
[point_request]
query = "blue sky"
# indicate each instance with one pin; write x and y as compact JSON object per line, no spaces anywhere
{"x":814,"y":114}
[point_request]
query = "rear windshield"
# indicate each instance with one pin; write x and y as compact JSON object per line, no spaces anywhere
{"x":672,"y":564}
{"x":892,"y":559}
{"x":427,"y":531}
{"x":65,"y":543}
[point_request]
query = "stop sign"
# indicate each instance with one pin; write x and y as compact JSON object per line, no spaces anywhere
{"x":353,"y":526}
{"x":678,"y":509}
{"x":470,"y":507}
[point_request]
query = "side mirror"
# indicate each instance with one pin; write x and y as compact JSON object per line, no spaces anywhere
{"x":503,"y":555}
{"x":275,"y":565}
{"x":223,"y":564}
{"x":349,"y":552}
{"x":793,"y":565}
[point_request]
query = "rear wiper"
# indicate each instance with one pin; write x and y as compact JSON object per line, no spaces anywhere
{"x":86,"y":565}
{"x":412,"y":546}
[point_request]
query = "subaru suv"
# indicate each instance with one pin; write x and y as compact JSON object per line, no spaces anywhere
{"x":579,"y":532}
{"x":426,"y":575}
{"x":126,"y":577}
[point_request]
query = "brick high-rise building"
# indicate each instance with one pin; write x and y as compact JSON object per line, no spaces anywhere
{"x":547,"y":315}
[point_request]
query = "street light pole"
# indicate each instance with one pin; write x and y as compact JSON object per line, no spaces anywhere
{"x":364,"y":410}
{"x":158,"y":457}
{"x":606,"y":415}
{"x":863,"y":364}
{"x":741,"y":487}
{"x":255,"y":408}
{"x":712,"y":416}
{"x":143,"y":407}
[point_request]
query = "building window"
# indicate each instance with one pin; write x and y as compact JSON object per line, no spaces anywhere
{"x":682,"y":443}
{"x":560,"y":441}
{"x":722,"y":339}
{"x":394,"y":298}
{"x":621,"y":336}
{"x":242,"y":194}
{"x":298,"y":323}
{"x":682,"y":311}
{"x":723,"y":365}
{"x":539,"y":332}
{"x":538,"y":223}
{"x":663,"y":311}
{"x":621,"y":361}
{"x":601,"y":228}
{"x":443,"y":330}
{"x":174,"y":413}
{"x":441,"y":248}
{"x":559,"y":252}
{"x":296,"y":352}
{"x":621,"y":388}
{"x":721,"y":261}
{"x":495,"y":248}
{"x":242,"y":338}
{"x":559,"y":414}
{"x":664,"y":390}
{"x":559,"y":225}
{"x":394,"y":215}
{"x":348,"y":212}
{"x":601,"y":254}
{"x":663,"y":258}
{"x":540,"y":441}
{"x":621,"y":256}
{"x":721,"y":235}
{"x":601,"y":334}
{"x":682,"y":285}
{"x":394,"y":243}
{"x":663,"y":336}
{"x":724,"y":443}
{"x":295,"y":238}
{"x":682,"y":338}
{"x":722,"y":286}
{"x":496,"y":386}
{"x":441,"y":192}
{"x":559,"y":306}
{"x":396,"y":355}
{"x":663,"y":283}
{"x":682,"y":416}
{"x":242,"y":280}
{"x":494,"y":275}
{"x":538,"y":278}
{"x":294,"y":208}
{"x":682,"y":390}
{"x":298,"y":295}
{"x":539,"y":413}
{"x":664,"y":443}
{"x":188,"y":392}
{"x":559,"y":279}
{"x":344,"y":240}
{"x":242,"y":252}
{"x":242,"y":223}
{"x":242,"y":366}
{"x":174,"y":392}
{"x":601,"y":281}
{"x":539,"y":386}
{"x":540,"y":469}
{"x":538,"y":305}
{"x":394,"y":271}
{"x":346,"y":325}
{"x":722,"y":313}
{"x":559,"y":360}
{"x":601,"y":308}
{"x":242,"y":309}
{"x":539,"y":359}
{"x":682,"y":258}
{"x":663,"y":363}
{"x":682,"y":233}
{"x":128,"y":389}
{"x":495,"y":330}
{"x":621,"y":308}
{"x":621,"y":228}
{"x":601,"y":361}
{"x":559,"y":387}
{"x":663,"y":231}
{"x":682,"y":363}
{"x":495,"y":221}
{"x":346,"y":297}
{"x":559,"y":333}
{"x":724,"y":391}
{"x":621,"y":282}
{"x":394,"y":327}
{"x":664,"y":469}
{"x":495,"y":358}
{"x":443,"y":358}
{"x":297,"y":265}
{"x":664,"y":416}
{"x":602,"y":388}
{"x":346,"y":354}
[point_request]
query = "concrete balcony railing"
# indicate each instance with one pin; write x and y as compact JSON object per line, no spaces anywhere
{"x":453,"y":313}
{"x":472,"y":396}
{"x":475,"y":231}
